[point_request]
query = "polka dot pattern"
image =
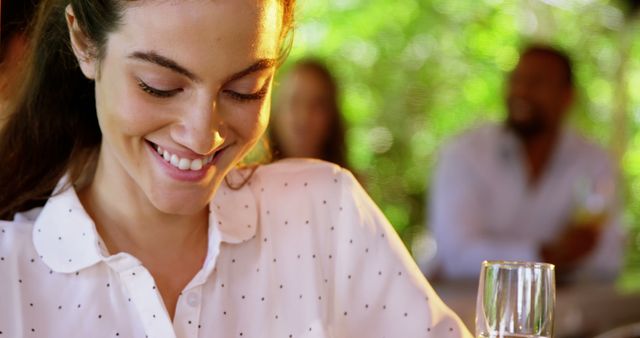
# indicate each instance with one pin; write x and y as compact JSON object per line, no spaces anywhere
{"x":318,"y":260}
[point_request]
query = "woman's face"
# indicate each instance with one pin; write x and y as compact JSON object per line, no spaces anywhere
{"x":182,"y":94}
{"x":305,"y":114}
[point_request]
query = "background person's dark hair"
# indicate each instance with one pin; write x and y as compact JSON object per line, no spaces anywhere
{"x":15,"y":16}
{"x":53,"y":129}
{"x":335,"y":145}
{"x":556,"y":53}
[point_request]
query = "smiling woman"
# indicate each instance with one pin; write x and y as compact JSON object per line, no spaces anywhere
{"x":132,"y":117}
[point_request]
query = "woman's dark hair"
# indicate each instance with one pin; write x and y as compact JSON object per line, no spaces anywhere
{"x":335,"y":145}
{"x":52,"y":129}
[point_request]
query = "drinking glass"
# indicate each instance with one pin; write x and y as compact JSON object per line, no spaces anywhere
{"x":515,"y":299}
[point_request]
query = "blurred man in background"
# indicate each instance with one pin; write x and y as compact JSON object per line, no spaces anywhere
{"x":529,"y":188}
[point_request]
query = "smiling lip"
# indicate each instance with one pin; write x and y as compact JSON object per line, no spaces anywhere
{"x":184,"y":169}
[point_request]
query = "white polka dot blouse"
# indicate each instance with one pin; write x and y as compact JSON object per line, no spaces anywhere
{"x":299,"y":251}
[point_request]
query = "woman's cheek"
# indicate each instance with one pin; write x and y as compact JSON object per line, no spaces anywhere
{"x":138,"y":114}
{"x":249,"y":120}
{"x":265,"y":114}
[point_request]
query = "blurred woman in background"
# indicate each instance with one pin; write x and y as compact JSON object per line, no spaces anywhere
{"x":307,"y":120}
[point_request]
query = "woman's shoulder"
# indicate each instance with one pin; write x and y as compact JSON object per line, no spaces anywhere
{"x":21,"y":225}
{"x":302,"y":181}
{"x":301,"y":165}
{"x":16,"y":235}
{"x":303,"y":171}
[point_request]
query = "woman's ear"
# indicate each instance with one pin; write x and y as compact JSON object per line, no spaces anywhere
{"x":82,"y":46}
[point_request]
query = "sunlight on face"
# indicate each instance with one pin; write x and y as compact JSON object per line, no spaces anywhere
{"x":182,"y":96}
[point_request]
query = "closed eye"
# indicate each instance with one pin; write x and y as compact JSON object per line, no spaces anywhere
{"x":242,"y":97}
{"x":157,"y":92}
{"x":247,"y":97}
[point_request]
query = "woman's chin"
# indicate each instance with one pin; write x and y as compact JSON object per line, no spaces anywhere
{"x":180,"y":199}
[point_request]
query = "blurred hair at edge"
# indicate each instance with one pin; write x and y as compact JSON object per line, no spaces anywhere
{"x":14,"y":21}
{"x":307,"y":91}
{"x":53,"y":119}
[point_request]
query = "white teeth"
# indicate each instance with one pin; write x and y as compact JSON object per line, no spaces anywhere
{"x":184,"y":163}
{"x":175,"y":161}
{"x":196,"y":164}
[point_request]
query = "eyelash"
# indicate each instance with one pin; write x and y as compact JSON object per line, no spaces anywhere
{"x":248,"y":97}
{"x":234,"y":95}
{"x":157,"y":92}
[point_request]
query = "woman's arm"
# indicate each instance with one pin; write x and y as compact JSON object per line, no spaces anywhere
{"x":379,"y":290}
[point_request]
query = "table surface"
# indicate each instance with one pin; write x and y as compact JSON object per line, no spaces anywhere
{"x":581,"y":311}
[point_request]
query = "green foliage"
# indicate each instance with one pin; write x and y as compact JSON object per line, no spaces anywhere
{"x":416,"y":72}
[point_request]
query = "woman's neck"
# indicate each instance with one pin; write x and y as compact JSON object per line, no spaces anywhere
{"x":173,"y":248}
{"x":128,"y":222}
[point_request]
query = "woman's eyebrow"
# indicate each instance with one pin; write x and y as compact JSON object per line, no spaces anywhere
{"x":172,"y":65}
{"x":165,"y":62}
{"x":259,"y":65}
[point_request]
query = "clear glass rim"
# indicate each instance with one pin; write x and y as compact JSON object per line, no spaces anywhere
{"x":518,"y":264}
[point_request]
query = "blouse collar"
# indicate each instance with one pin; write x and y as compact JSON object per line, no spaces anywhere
{"x":67,"y":241}
{"x":64,"y":235}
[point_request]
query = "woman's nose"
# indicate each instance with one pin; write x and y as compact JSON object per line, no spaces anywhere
{"x":200,"y":129}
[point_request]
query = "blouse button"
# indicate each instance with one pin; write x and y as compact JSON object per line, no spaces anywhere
{"x":193,"y":299}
